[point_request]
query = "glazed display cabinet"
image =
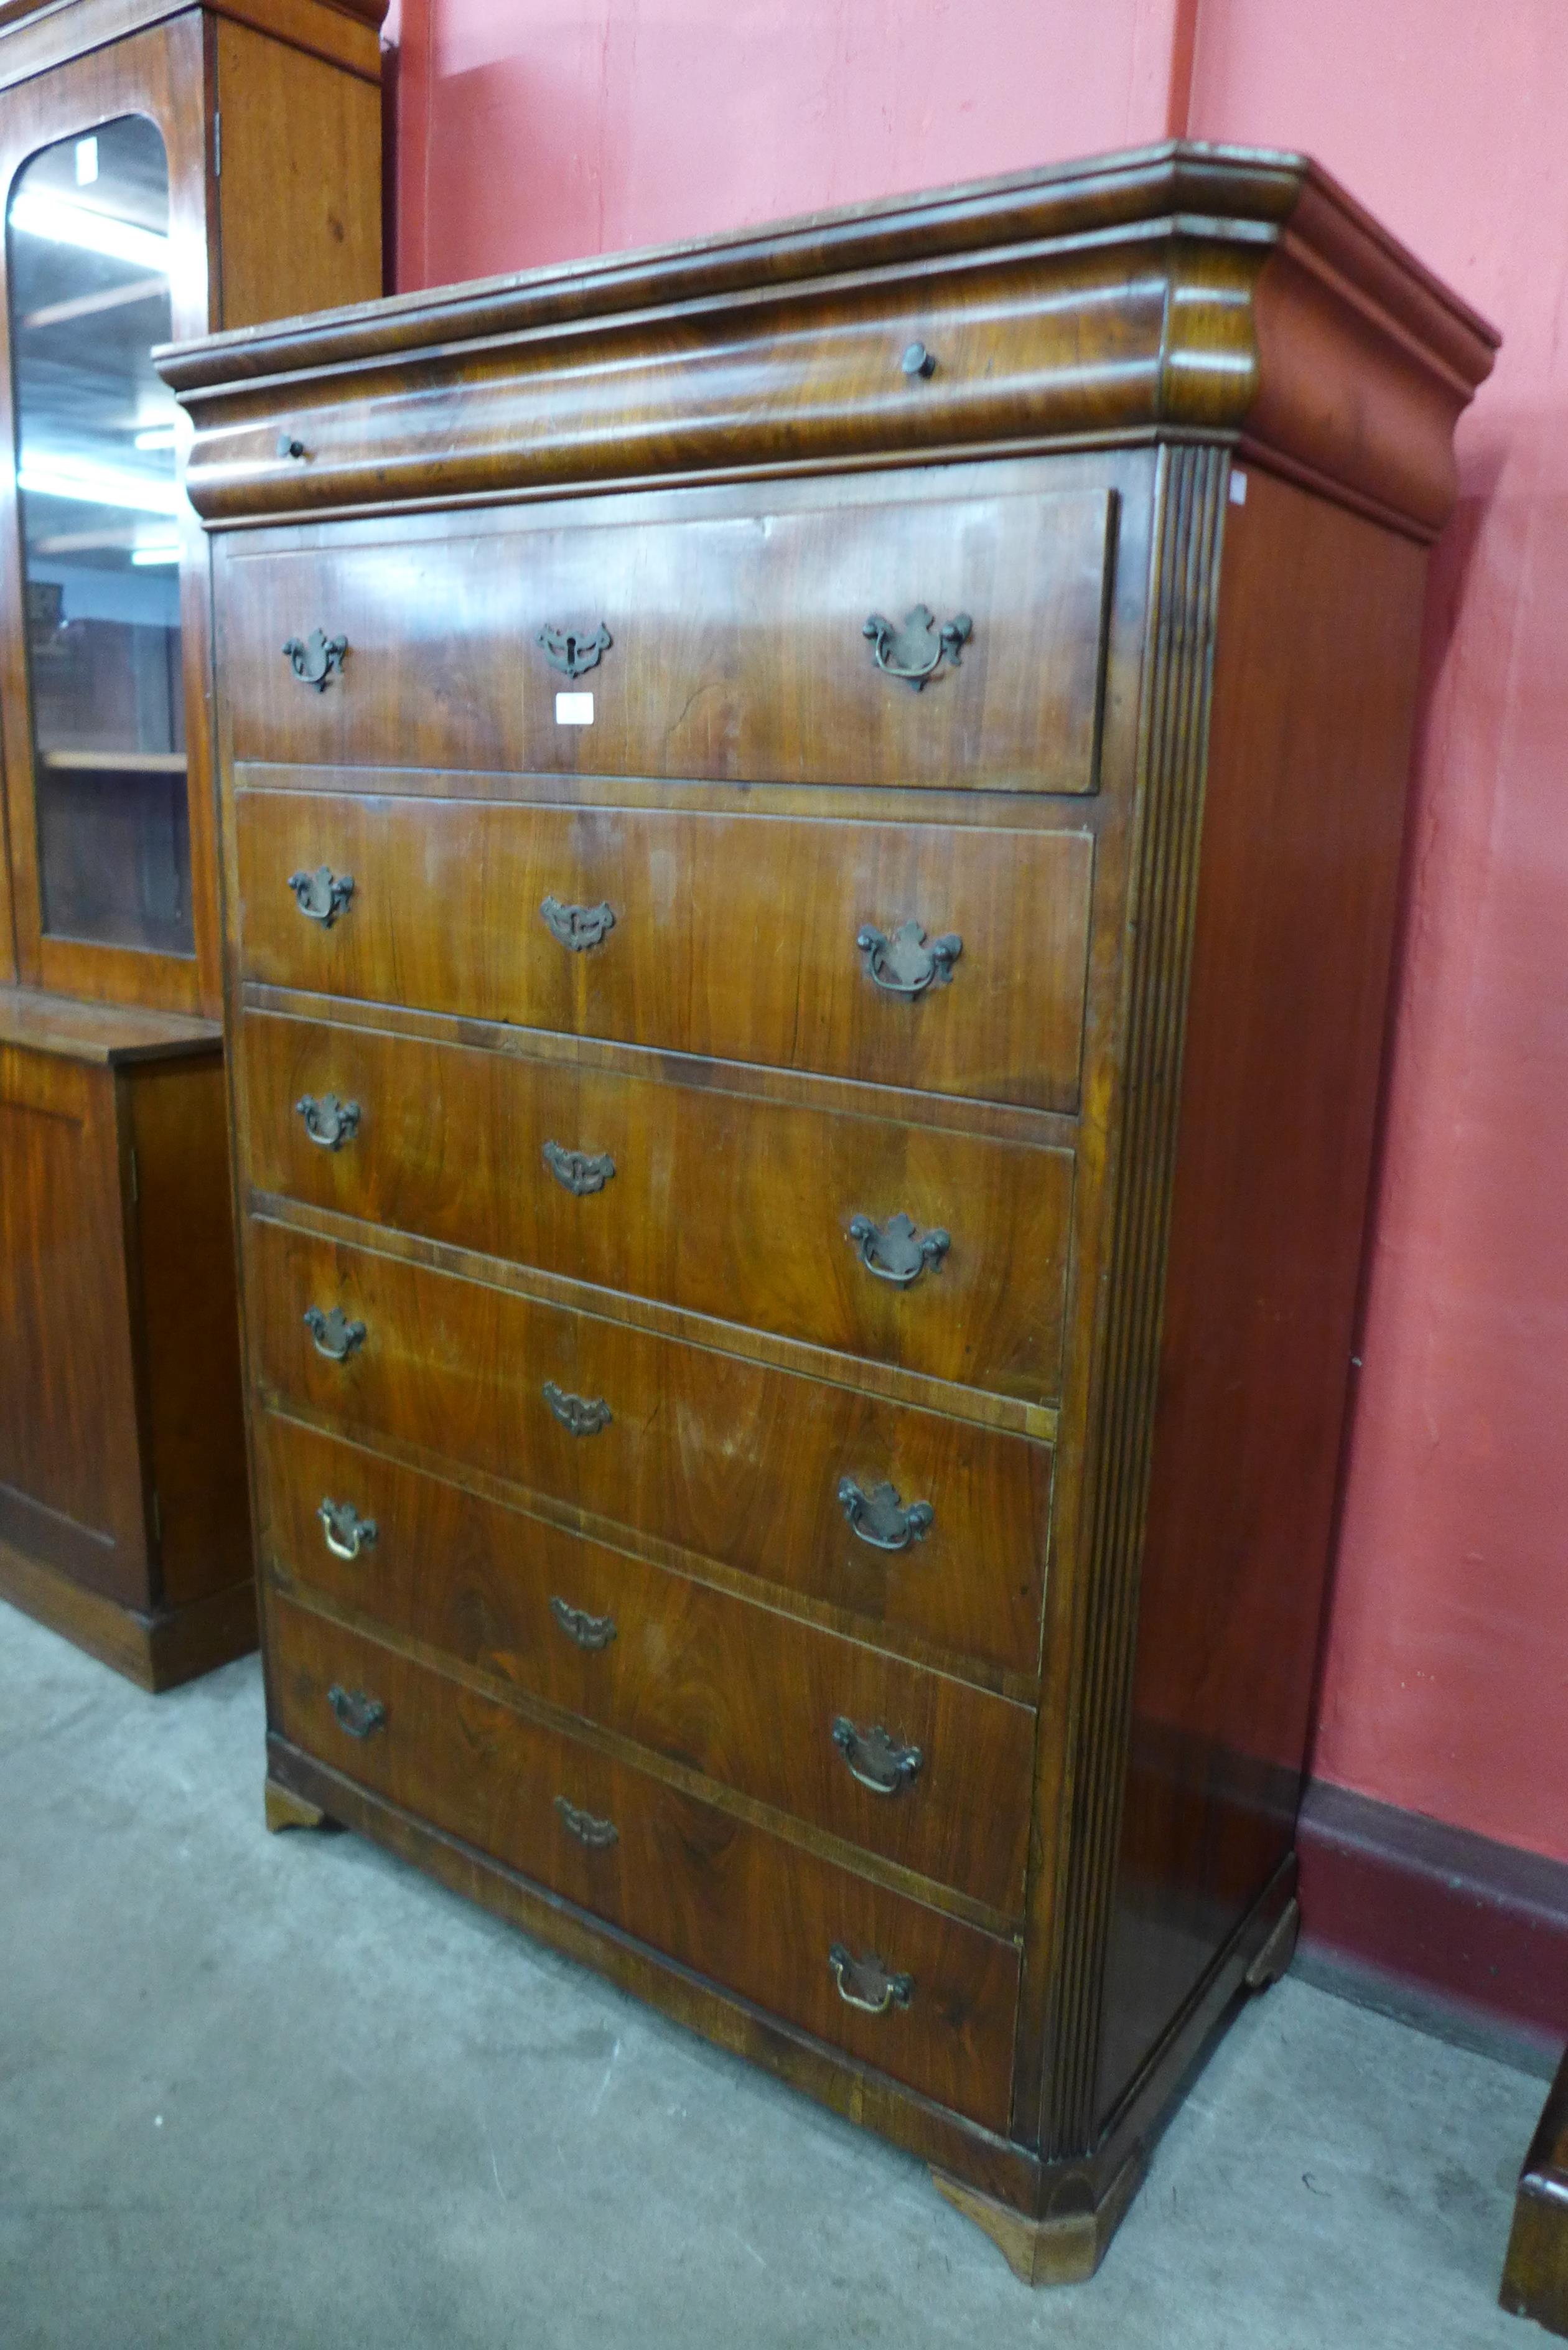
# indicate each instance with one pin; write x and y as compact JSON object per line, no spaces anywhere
{"x":165,"y":172}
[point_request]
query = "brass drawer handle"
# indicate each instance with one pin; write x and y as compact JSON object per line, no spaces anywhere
{"x":879,"y":1760}
{"x":573,"y":650}
{"x":576,"y":1172}
{"x":880,"y":1517}
{"x":907,"y":963}
{"x":580,"y":1415}
{"x":596,"y":1834}
{"x":321,"y":896}
{"x":347,"y":1534}
{"x":898,"y":1250}
{"x":334,"y":1336}
{"x":577,"y":927}
{"x":865,"y":1983}
{"x":593,"y":1632}
{"x":314,"y":658}
{"x":359,"y":1715}
{"x":913,"y":650}
{"x":330,"y":1123}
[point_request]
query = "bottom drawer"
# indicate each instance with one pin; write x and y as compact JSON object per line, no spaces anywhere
{"x":724,"y":1899}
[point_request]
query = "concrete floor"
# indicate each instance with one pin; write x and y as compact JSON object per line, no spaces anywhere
{"x":281,"y":2091}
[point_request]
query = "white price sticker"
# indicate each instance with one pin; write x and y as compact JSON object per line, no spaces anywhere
{"x":574,"y":709}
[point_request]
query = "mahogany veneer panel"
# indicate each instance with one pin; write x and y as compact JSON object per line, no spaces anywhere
{"x":737,"y":648}
{"x":451,"y":1143}
{"x":725,"y":1457}
{"x":1185,"y":432}
{"x":695,"y":1882}
{"x":685,"y":1671}
{"x":732,"y":936}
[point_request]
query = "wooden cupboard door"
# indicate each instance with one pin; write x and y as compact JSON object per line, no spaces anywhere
{"x":711,"y":1891}
{"x":782,"y":1711}
{"x":734,"y":937}
{"x":942,"y":1252}
{"x":71,"y":1491}
{"x":864,"y":631}
{"x":765,"y":1471}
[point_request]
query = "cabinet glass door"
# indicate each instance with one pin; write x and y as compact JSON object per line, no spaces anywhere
{"x":87,"y":246}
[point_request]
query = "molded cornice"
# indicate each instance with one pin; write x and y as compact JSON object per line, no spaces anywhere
{"x":1185,"y":292}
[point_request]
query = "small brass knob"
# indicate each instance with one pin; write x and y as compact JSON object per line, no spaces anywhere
{"x":917,"y":360}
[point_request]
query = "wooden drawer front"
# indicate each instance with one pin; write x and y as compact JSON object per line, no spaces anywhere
{"x":725,"y":1899}
{"x":745,"y":1696}
{"x":733,"y":937}
{"x":729,"y":1458}
{"x":735,"y":1208}
{"x":737,"y":647}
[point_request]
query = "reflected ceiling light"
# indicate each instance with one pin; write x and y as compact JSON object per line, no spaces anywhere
{"x":156,"y":436}
{"x":63,"y":222}
{"x":98,"y":485}
{"x":142,"y":556}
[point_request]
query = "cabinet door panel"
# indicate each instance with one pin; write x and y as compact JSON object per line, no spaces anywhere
{"x":70,"y":1477}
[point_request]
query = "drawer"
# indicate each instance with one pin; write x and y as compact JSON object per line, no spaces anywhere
{"x":732,"y":937}
{"x":702,"y":645}
{"x":753,"y":1212}
{"x":747,"y":1697}
{"x":731,"y":1459}
{"x":726,"y":1899}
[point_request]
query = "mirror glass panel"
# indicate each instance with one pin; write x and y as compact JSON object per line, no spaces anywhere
{"x":87,"y":246}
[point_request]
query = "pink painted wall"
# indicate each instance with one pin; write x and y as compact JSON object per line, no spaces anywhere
{"x":545,"y":130}
{"x":1447,"y":1681}
{"x":536,"y":130}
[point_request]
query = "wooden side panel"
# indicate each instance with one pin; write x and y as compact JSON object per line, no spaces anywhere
{"x":299,"y":191}
{"x":1316,"y":649}
{"x":190,"y":1326}
{"x":70,"y":1463}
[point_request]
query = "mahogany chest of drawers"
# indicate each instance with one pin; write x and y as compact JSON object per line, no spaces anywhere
{"x":811,"y":828}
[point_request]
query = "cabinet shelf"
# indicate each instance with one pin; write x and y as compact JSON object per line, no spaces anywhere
{"x":114,"y":762}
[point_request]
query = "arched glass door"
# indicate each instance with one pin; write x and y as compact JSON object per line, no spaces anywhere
{"x":87,"y":246}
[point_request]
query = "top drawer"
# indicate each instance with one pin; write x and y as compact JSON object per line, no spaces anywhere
{"x":683,"y":642}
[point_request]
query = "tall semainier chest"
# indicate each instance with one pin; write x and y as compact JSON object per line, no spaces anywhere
{"x":810,"y":830}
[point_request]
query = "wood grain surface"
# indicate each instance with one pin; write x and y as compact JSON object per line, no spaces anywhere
{"x":738,"y":1208}
{"x":733,"y":936}
{"x":723,"y":1898}
{"x":727,"y":1458}
{"x":742,"y":1695}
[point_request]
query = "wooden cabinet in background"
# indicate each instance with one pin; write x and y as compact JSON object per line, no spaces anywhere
{"x":809,"y":921}
{"x":165,"y":172}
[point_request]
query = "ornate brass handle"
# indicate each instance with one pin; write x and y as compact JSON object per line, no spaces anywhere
{"x":898,"y":1250}
{"x":347,"y":1534}
{"x":575,"y":1172}
{"x":580,"y":1415}
{"x":577,"y":927}
{"x":867,"y":1984}
{"x":907,"y":963}
{"x":879,"y":1760}
{"x":314,"y":658}
{"x":913,"y":651}
{"x":588,"y":1631}
{"x":880,"y":1517}
{"x":328,"y":1122}
{"x":357,"y":1714}
{"x":321,"y":896}
{"x":573,"y":650}
{"x":596,"y":1834}
{"x":336,"y":1336}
